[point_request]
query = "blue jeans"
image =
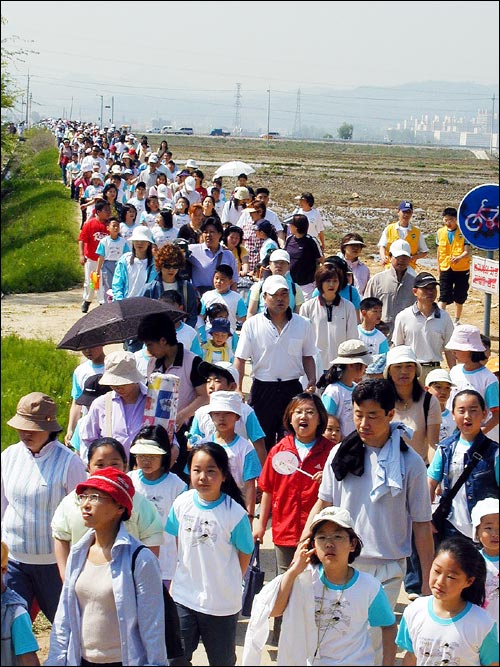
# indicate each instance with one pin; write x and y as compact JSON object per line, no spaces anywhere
{"x":42,"y":582}
{"x":218,"y":634}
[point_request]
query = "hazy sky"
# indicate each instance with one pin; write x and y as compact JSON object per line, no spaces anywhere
{"x":161,"y":49}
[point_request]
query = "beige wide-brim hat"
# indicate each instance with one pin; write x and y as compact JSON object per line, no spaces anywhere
{"x":35,"y":412}
{"x":120,"y":368}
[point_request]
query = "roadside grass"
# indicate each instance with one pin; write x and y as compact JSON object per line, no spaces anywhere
{"x":33,"y":365}
{"x":39,"y":225}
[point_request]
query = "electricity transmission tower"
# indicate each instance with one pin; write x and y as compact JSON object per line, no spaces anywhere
{"x":297,"y":128}
{"x":237,"y":110}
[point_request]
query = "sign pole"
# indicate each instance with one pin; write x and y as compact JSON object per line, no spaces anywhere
{"x":487,"y":304}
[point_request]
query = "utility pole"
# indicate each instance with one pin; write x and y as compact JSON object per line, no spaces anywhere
{"x":71,"y":108}
{"x":27,"y":99}
{"x":492,"y":122}
{"x":102,"y":110}
{"x":112,"y":109}
{"x":268,"y":113}
{"x":237,"y":110}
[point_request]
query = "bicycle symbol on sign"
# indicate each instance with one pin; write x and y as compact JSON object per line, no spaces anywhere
{"x":485,"y":219}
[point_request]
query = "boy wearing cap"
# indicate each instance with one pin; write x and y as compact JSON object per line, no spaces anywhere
{"x":405,"y":231}
{"x":282,"y":349}
{"x":382,"y":482}
{"x":217,"y":347}
{"x":279,"y":265}
{"x":223,"y":376}
{"x":438,"y":383}
{"x":484,"y":516}
{"x":424,"y":326}
{"x":327,"y":604}
{"x":454,"y":259}
{"x":222,"y":293}
{"x":225,"y":411}
{"x":394,"y":286}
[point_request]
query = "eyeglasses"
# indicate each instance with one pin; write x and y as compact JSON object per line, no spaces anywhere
{"x":328,"y":539}
{"x":171,"y":266}
{"x":306,"y":413}
{"x":92,"y":498}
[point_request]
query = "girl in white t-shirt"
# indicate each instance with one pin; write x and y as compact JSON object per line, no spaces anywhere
{"x":449,"y":627}
{"x":152,"y":452}
{"x":484,"y":516}
{"x":215,"y":544}
{"x":344,"y":373}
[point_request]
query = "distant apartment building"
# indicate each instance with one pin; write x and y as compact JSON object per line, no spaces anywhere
{"x":475,"y":132}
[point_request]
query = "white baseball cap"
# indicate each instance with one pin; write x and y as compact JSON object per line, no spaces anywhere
{"x":337,"y":515}
{"x":274,"y":283}
{"x":438,"y":375}
{"x":399,"y":248}
{"x":279,"y":255}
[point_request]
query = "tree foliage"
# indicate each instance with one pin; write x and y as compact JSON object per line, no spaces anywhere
{"x":345,"y":131}
{"x":9,"y":92}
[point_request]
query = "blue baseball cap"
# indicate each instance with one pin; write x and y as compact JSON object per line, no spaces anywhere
{"x":220,"y":324}
{"x":406,"y":206}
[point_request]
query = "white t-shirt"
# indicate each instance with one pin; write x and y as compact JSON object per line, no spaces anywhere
{"x":208,"y":577}
{"x":162,"y":493}
{"x":461,"y":640}
{"x":337,"y":399}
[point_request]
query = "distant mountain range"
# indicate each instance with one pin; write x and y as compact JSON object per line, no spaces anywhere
{"x":314,"y":113}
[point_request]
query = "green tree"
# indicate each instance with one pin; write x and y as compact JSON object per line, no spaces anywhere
{"x":345,"y":131}
{"x":9,"y":93}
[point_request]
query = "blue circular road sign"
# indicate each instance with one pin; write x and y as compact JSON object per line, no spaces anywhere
{"x":478,"y":216}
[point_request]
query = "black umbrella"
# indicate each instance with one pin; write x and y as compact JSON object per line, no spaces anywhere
{"x":114,"y":322}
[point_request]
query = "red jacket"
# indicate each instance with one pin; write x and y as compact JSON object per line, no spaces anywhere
{"x":293,"y":496}
{"x":91,"y":233}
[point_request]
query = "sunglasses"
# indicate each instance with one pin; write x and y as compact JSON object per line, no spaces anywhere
{"x":171,"y":266}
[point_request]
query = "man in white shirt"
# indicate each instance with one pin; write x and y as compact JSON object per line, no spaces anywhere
{"x":424,"y":326}
{"x":316,"y":223}
{"x":281,"y":346}
{"x":262,"y":194}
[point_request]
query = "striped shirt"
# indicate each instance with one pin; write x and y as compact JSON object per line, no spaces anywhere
{"x":32,"y":488}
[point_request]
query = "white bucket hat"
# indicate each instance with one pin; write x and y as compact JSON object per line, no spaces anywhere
{"x":438,"y":375}
{"x":401,"y":354}
{"x":141,"y":233}
{"x":465,"y":337}
{"x":225,"y":401}
{"x":483,"y":508}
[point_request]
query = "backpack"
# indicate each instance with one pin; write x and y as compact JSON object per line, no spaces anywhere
{"x":173,"y":640}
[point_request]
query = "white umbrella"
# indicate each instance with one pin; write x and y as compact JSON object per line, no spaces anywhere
{"x":234,"y":168}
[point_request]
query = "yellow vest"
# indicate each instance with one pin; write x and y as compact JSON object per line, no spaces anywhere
{"x":412,"y":237}
{"x":447,"y":250}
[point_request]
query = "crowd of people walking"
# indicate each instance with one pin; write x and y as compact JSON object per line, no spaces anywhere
{"x":367,"y":442}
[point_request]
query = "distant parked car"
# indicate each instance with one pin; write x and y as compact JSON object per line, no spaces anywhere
{"x":270,"y":135}
{"x":185,"y":130}
{"x":168,"y":129}
{"x":153,"y":130}
{"x":219,"y":132}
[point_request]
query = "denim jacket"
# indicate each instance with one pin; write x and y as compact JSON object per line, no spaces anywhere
{"x":139,"y":607}
{"x":481,"y":482}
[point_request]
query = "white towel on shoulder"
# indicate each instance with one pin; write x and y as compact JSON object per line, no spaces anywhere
{"x":390,"y":470}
